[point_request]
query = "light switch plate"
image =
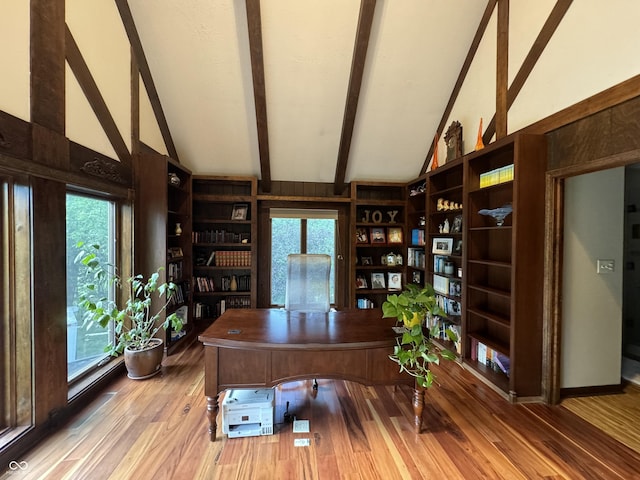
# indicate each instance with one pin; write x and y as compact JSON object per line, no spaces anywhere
{"x":605,"y":266}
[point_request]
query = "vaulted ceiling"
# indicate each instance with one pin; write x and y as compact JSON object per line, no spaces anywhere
{"x":302,"y":90}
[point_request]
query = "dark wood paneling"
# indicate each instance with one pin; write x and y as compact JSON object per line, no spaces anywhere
{"x":502,"y":68}
{"x":47,"y":64}
{"x":49,"y":294}
{"x":49,"y":147}
{"x":15,"y":136}
{"x":94,"y":164}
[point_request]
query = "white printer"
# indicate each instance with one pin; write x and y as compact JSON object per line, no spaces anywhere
{"x":248,"y":412}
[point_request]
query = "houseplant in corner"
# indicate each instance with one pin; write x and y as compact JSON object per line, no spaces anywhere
{"x":417,"y":308}
{"x":135,"y":324}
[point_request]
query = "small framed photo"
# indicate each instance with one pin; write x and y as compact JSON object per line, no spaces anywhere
{"x":394,"y":235}
{"x":395,"y":281}
{"x":175,"y":252}
{"x":442,"y":246}
{"x":361,"y":235}
{"x":377,"y":280}
{"x":378,"y":236}
{"x":457,"y":250}
{"x":416,"y":277}
{"x":361,"y":281}
{"x":456,"y":226}
{"x":367,"y":261}
{"x":239,"y":211}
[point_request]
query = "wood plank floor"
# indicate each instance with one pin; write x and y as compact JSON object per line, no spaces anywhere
{"x":157,"y":429}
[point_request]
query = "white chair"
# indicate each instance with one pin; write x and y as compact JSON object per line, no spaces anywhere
{"x":307,"y":288}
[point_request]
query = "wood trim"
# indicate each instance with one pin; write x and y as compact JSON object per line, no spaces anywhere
{"x":502,"y":69}
{"x":461,"y":77}
{"x":47,"y":48}
{"x":363,"y":34}
{"x":547,"y":31}
{"x":135,"y":105}
{"x":147,"y":78}
{"x":90,"y":88}
{"x":254,"y":27}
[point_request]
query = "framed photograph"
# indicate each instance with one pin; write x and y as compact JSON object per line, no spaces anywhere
{"x":457,"y":250}
{"x":456,"y":226}
{"x":416,"y":277}
{"x":361,"y":235}
{"x":394,"y":235}
{"x":395,"y":281}
{"x":442,"y":246}
{"x":367,"y":261}
{"x":361,"y":281}
{"x":377,"y":280}
{"x":239,"y":211}
{"x":378,"y":236}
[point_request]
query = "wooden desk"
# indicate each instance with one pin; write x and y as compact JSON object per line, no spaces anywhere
{"x":247,"y":348}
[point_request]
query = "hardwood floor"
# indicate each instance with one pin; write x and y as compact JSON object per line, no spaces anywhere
{"x":157,"y":429}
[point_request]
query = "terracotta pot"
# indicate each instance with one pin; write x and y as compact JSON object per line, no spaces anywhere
{"x":145,"y":363}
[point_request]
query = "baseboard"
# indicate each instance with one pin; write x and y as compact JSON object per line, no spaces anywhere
{"x":591,"y":391}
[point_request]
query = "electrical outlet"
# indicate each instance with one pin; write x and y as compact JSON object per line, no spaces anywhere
{"x":605,"y":266}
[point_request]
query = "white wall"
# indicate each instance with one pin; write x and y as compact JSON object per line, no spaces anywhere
{"x":14,"y":38}
{"x":592,"y":302}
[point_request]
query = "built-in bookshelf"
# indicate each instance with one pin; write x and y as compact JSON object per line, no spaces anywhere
{"x":445,"y":245}
{"x":379,"y":242}
{"x":163,"y":233}
{"x":504,"y":264}
{"x":224,"y":239}
{"x":416,"y":231}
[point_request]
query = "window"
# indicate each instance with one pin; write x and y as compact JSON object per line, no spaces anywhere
{"x":90,"y":220}
{"x":300,"y":231}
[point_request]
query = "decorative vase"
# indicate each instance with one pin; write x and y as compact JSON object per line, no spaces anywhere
{"x":178,"y":229}
{"x":233,"y":286}
{"x":145,"y":363}
{"x":479,"y":142}
{"x":174,"y":180}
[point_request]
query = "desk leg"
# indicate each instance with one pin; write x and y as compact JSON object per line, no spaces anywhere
{"x":418,"y":407}
{"x":212,"y":415}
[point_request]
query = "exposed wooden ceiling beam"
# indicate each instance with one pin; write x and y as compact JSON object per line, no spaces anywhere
{"x":502,"y":69}
{"x":254,"y":24}
{"x":363,"y":33}
{"x":147,"y":78}
{"x":94,"y":97}
{"x":461,"y":77}
{"x":547,"y":31}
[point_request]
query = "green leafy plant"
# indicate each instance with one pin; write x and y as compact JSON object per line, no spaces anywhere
{"x":135,"y":324}
{"x":415,"y":308}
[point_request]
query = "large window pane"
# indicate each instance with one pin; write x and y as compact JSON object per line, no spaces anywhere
{"x":300,"y":231}
{"x":90,"y":220}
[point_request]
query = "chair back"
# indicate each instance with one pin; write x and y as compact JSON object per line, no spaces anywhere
{"x":307,"y":288}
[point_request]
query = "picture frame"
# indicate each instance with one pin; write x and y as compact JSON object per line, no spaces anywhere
{"x":394,"y":235}
{"x":395,"y":281}
{"x":378,"y":281}
{"x":362,"y":236}
{"x":453,"y":141}
{"x":442,"y":246}
{"x":367,"y":261}
{"x":378,"y":236}
{"x":457,"y":250}
{"x":239,"y":211}
{"x":175,"y":252}
{"x":361,"y":281}
{"x":456,"y":225}
{"x":416,"y":277}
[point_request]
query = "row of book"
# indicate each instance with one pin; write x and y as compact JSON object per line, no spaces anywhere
{"x":496,"y":176}
{"x":490,"y":358}
{"x":205,"y":310}
{"x":449,"y":306}
{"x":229,"y":258}
{"x":365,"y":303}
{"x":181,"y":292}
{"x":443,"y":326}
{"x":208,"y":284}
{"x":416,"y":257}
{"x":220,"y":236}
{"x":417,"y":236}
{"x":174,"y":271}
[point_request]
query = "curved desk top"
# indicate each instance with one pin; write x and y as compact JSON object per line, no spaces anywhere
{"x":283,"y":330}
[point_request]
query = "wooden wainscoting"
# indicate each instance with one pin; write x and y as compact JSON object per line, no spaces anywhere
{"x":158,"y":429}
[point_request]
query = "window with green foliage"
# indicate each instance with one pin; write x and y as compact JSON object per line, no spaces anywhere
{"x":300,"y":231}
{"x":89,"y":220}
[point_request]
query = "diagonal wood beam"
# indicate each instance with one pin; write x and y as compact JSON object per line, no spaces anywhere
{"x":94,"y":97}
{"x":547,"y":31}
{"x":488,"y":11}
{"x":254,"y":25}
{"x":147,"y":78}
{"x":363,"y":33}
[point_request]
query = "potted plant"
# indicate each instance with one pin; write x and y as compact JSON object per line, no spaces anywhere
{"x":417,"y":309}
{"x":135,"y":324}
